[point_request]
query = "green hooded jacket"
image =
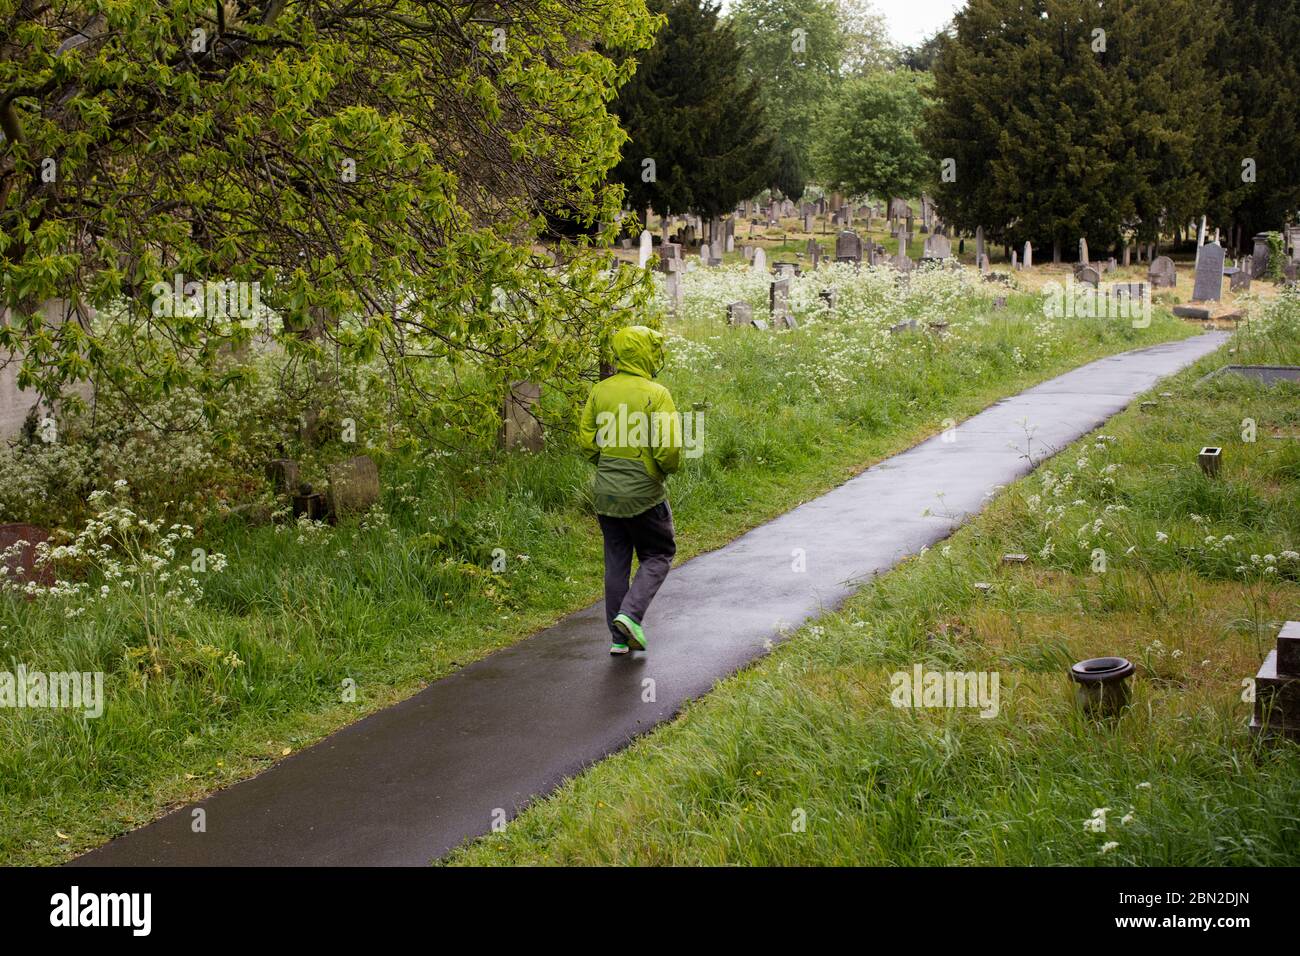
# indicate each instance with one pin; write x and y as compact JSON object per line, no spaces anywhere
{"x":631,"y":428}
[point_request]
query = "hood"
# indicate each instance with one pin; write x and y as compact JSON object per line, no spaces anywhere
{"x":639,"y":350}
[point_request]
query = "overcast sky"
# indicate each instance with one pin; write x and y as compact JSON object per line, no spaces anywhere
{"x":911,"y":21}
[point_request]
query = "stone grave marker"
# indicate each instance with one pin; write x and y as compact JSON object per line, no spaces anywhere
{"x":740,"y":313}
{"x":778,"y":300}
{"x":760,"y":259}
{"x":646,"y":248}
{"x":354,"y":484}
{"x":1208,"y":283}
{"x":1162,"y":274}
{"x":1028,"y":258}
{"x":1259,"y":256}
{"x":848,"y":245}
{"x":1089,"y":276}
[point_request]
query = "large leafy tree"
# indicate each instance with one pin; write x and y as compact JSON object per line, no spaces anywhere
{"x":691,"y":112}
{"x":377,"y":167}
{"x":1057,"y":130}
{"x":868,"y":139}
{"x":796,"y":49}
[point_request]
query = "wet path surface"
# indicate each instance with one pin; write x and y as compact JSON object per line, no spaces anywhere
{"x":409,"y":783}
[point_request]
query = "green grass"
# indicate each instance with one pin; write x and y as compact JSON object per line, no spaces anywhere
{"x":802,"y":758}
{"x":259,"y":665}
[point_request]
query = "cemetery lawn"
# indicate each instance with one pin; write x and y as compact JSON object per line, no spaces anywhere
{"x":266,"y":662}
{"x":802,"y":759}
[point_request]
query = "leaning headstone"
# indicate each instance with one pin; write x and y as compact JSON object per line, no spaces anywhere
{"x":1208,"y":283}
{"x":1162,"y":274}
{"x":354,"y":484}
{"x":740,"y":313}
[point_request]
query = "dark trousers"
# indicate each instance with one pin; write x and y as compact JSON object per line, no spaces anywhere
{"x":650,"y":535}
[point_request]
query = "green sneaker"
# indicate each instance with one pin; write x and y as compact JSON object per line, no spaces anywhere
{"x":617,"y":649}
{"x":632,"y":631}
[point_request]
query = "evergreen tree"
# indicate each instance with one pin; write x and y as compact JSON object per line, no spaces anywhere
{"x":1258,"y":55}
{"x":692,"y":113}
{"x":1069,"y":118}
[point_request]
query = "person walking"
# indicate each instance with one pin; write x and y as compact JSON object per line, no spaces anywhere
{"x":631,"y":430}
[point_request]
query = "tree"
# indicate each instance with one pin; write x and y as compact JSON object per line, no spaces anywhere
{"x":691,"y":113}
{"x":378,"y":168}
{"x":1257,"y":54}
{"x":922,"y":56}
{"x":866,"y":41}
{"x":868,"y":140}
{"x":1069,"y":118}
{"x":795,"y":49}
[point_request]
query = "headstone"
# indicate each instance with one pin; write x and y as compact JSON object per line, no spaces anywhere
{"x":740,"y":313}
{"x":979,"y":245}
{"x":354,"y":484}
{"x":647,"y":247}
{"x":283,"y":474}
{"x":1240,"y":281}
{"x":760,"y":260}
{"x":937,"y":247}
{"x":848,"y":245}
{"x":1162,"y":274}
{"x":779,"y":301}
{"x":807,"y":222}
{"x":1015,"y":260}
{"x":1083,"y":251}
{"x":1277,"y":688}
{"x":22,"y":566}
{"x":814,"y":252}
{"x":1208,"y":283}
{"x":1089,"y":276}
{"x":1126,"y":255}
{"x":829,"y":297}
{"x":1191,"y":312}
{"x":785,"y":269}
{"x":1259,"y":256}
{"x":673,"y":289}
{"x":1028,"y":257}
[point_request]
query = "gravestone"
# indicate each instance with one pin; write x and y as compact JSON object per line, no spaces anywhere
{"x":814,"y":252}
{"x":21,"y":564}
{"x":354,"y":484}
{"x":1259,"y":256}
{"x":283,"y":474}
{"x":1240,"y":281}
{"x":778,"y":299}
{"x":1277,"y":688}
{"x":1089,"y":276}
{"x":1015,"y":260}
{"x":979,"y":245}
{"x":829,"y":297}
{"x":937,"y":247}
{"x":785,"y":269}
{"x":673,"y":289}
{"x":1083,"y":251}
{"x":760,"y":260}
{"x":1162,"y":274}
{"x":1028,"y":257}
{"x":1207,"y":285}
{"x":647,"y":247}
{"x":1125,"y":255}
{"x":807,"y":222}
{"x":848,"y":245}
{"x":740,"y":313}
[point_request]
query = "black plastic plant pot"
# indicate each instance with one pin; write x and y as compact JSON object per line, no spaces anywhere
{"x":1101,"y":685}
